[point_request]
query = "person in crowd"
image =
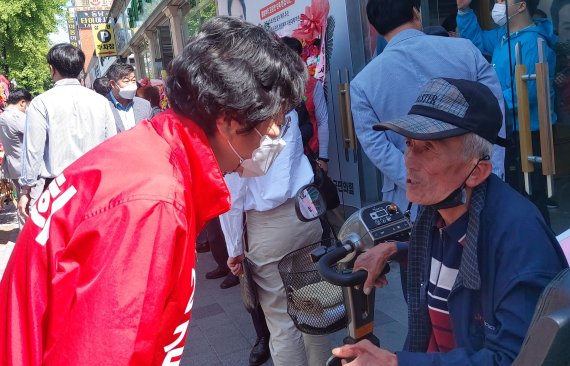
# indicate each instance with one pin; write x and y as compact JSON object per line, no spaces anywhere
{"x":152,"y":94}
{"x":273,"y":231}
{"x":101,"y":86}
{"x":109,"y":252}
{"x":62,"y":124}
{"x":480,"y":254}
{"x":211,"y":238}
{"x":127,"y":108}
{"x":409,"y":60}
{"x":317,"y":147}
{"x":499,"y":45}
{"x":12,"y":126}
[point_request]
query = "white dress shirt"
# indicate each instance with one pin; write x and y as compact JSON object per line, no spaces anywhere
{"x":289,"y":172}
{"x":61,"y":125}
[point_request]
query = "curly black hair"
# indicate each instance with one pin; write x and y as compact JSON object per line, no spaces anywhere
{"x":235,"y":70}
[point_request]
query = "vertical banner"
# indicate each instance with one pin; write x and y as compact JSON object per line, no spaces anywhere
{"x":104,"y":40}
{"x":72,"y":29}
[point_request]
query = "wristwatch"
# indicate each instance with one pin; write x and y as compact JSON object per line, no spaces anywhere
{"x":323,"y":159}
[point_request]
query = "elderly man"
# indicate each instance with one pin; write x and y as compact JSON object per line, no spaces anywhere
{"x":480,"y":254}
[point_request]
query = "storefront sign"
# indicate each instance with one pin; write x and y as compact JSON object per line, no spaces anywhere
{"x":85,"y":19}
{"x":104,"y":39}
{"x":85,"y":5}
{"x":281,"y":16}
{"x":72,"y":29}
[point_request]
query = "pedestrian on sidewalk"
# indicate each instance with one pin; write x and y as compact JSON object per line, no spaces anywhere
{"x":104,"y":271}
{"x":127,"y":108}
{"x":62,"y":124}
{"x":12,"y":126}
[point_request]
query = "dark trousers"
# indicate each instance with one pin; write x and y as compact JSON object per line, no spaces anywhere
{"x":214,"y":236}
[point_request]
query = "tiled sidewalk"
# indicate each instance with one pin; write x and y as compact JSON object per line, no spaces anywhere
{"x":221,"y":332}
{"x":8,"y":234}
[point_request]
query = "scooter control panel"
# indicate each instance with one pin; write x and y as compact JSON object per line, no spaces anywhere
{"x":384,"y":221}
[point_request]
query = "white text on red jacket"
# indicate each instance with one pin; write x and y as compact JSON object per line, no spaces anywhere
{"x":174,"y":350}
{"x":51,"y":201}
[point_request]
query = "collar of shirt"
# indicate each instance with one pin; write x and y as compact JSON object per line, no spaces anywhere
{"x":118,"y":105}
{"x":404,"y":35}
{"x":455,"y":231}
{"x":67,"y":81}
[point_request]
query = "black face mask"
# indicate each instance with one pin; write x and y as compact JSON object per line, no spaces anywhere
{"x":459,"y":196}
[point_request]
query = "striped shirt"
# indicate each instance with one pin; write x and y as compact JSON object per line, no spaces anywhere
{"x":446,"y":253}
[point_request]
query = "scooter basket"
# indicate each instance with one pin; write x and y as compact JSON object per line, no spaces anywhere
{"x":316,"y":306}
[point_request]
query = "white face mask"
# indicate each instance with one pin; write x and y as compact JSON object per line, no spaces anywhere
{"x":128,"y":91}
{"x":262,"y":157}
{"x":499,"y":14}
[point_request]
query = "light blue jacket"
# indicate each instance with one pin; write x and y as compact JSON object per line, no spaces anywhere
{"x":388,"y":86}
{"x":495,"y":43}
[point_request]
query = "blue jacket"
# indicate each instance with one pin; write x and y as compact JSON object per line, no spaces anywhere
{"x":517,"y":256}
{"x":495,"y":43}
{"x":388,"y":86}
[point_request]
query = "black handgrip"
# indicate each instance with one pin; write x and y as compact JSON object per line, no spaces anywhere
{"x":335,"y":361}
{"x":328,"y":260}
{"x":348,"y":279}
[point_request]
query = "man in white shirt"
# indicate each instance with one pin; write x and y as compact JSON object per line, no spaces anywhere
{"x":273,"y":230}
{"x":62,"y":124}
{"x":127,"y":108}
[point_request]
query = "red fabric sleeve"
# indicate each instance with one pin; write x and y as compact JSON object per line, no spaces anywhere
{"x":114,"y":294}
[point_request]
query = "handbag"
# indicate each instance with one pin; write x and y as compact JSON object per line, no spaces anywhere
{"x":327,"y":188}
{"x":248,"y":287}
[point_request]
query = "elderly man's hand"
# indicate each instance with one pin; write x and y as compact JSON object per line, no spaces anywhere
{"x":373,"y":261}
{"x":365,"y":353}
{"x":463,"y":4}
{"x":235,"y":264}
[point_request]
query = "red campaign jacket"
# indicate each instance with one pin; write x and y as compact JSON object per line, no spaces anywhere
{"x":103,"y":272}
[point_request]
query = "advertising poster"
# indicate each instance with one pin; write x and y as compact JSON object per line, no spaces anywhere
{"x":104,"y":40}
{"x":305,"y":20}
{"x":281,"y":16}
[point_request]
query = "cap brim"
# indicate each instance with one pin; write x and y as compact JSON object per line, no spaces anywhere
{"x":421,"y":128}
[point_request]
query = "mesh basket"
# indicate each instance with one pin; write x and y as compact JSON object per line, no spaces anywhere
{"x":316,"y":306}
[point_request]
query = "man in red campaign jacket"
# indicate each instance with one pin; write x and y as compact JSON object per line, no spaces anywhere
{"x":103,"y":271}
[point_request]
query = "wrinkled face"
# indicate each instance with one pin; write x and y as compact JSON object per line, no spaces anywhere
{"x":434,"y":168}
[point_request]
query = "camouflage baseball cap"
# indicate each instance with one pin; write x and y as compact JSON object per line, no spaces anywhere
{"x":450,"y":107}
